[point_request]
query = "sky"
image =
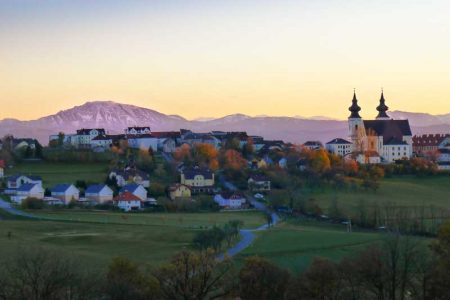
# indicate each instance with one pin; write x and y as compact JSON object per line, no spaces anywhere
{"x":214,"y":58}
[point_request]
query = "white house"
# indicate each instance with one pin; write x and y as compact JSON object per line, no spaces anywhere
{"x":127,"y":201}
{"x":99,"y":193}
{"x":28,"y":190}
{"x":65,"y":192}
{"x":234,"y":200}
{"x":16,"y":181}
{"x":313,"y":145}
{"x":83,"y":138}
{"x":258,"y":183}
{"x":136,"y":189}
{"x":101,"y":142}
{"x":339,"y":147}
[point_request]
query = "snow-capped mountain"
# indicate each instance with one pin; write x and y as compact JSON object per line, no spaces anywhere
{"x":115,"y":117}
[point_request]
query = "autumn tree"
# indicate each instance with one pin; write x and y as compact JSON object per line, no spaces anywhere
{"x":205,"y":155}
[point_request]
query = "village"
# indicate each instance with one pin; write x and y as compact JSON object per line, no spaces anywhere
{"x":228,"y":167}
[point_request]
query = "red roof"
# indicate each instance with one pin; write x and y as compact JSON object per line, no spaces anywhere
{"x":127,"y":196}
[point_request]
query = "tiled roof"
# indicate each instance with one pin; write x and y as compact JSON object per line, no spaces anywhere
{"x":126,"y":196}
{"x":312,"y":143}
{"x":95,"y":188}
{"x":395,"y":141}
{"x":192,"y":172}
{"x":338,"y":141}
{"x":388,"y":129}
{"x":26,"y":187}
{"x":61,"y":188}
{"x":429,"y":139}
{"x":232,"y":195}
{"x":166,"y":134}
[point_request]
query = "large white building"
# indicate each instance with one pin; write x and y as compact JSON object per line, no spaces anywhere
{"x":381,"y":140}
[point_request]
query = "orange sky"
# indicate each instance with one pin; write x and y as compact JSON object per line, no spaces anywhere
{"x":201,"y":58}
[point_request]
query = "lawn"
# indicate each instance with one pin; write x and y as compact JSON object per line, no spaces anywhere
{"x":402,"y":191}
{"x":294,"y":247}
{"x":54,"y":173}
{"x":251,"y":219}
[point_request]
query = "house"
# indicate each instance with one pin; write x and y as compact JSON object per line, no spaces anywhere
{"x":390,"y":139}
{"x":127,"y":201}
{"x":178,"y":190}
{"x":367,"y":157}
{"x":339,"y":147}
{"x":313,"y":145}
{"x":167,"y":145}
{"x":258,"y":164}
{"x":427,"y":144}
{"x":28,"y":190}
{"x":2,"y":168}
{"x":66,"y":192}
{"x":233,"y":200}
{"x":130,"y":175}
{"x":14,"y":182}
{"x":136,"y":189}
{"x":258,"y":183}
{"x":443,"y":165}
{"x":138,"y":130}
{"x":200,"y":180}
{"x":99,"y":193}
{"x":83,"y":138}
{"x":192,"y":138}
{"x":20,"y":143}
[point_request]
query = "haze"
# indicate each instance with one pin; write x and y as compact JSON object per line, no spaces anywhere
{"x":205,"y":58}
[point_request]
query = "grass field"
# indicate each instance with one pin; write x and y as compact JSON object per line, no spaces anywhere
{"x":294,"y":247}
{"x":144,"y":238}
{"x":184,"y":220}
{"x":402,"y":191}
{"x":53,"y":173}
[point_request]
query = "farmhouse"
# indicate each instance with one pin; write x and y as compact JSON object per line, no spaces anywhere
{"x":65,"y":192}
{"x":178,"y":190}
{"x":233,"y":200}
{"x":28,"y":190}
{"x":136,"y":189}
{"x":127,"y":201}
{"x":200,"y":180}
{"x":99,"y":193}
{"x":258,"y":183}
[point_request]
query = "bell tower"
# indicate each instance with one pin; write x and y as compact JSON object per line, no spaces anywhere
{"x":382,"y":109}
{"x":356,"y":125}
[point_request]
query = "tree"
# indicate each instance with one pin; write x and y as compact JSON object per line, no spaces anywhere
{"x":195,"y":276}
{"x":260,"y":279}
{"x":124,"y":280}
{"x":209,"y":239}
{"x":32,"y":203}
{"x":269,"y":219}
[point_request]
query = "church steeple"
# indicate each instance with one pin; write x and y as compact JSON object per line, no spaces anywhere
{"x":382,"y":108}
{"x":354,"y":109}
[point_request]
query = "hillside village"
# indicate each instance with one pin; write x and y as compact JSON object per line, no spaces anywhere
{"x":383,"y":141}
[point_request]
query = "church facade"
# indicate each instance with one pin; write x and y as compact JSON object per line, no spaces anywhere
{"x":383,"y":140}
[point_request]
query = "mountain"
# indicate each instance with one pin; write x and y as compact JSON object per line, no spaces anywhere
{"x":115,"y":117}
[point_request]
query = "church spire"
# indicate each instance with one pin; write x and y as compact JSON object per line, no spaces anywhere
{"x":382,"y":108}
{"x":354,"y":109}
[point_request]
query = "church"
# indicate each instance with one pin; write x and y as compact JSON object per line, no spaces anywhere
{"x":383,"y":140}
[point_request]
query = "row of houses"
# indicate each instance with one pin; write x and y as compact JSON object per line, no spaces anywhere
{"x":97,"y":139}
{"x":20,"y":187}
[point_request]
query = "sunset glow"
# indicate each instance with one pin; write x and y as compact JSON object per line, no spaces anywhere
{"x":205,"y":58}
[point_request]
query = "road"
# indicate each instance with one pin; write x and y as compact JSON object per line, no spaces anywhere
{"x":6,"y":206}
{"x":247,"y":235}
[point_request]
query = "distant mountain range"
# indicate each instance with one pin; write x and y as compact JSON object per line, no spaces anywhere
{"x":115,"y":117}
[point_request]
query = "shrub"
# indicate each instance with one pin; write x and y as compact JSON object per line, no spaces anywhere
{"x":32,"y":203}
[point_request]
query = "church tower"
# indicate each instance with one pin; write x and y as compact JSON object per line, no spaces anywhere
{"x":382,"y":109}
{"x":356,"y":125}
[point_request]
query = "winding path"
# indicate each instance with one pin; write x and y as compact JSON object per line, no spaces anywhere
{"x":6,"y":206}
{"x":247,"y":235}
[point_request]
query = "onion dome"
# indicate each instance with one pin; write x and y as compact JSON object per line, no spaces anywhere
{"x":354,"y":109}
{"x":382,"y":108}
